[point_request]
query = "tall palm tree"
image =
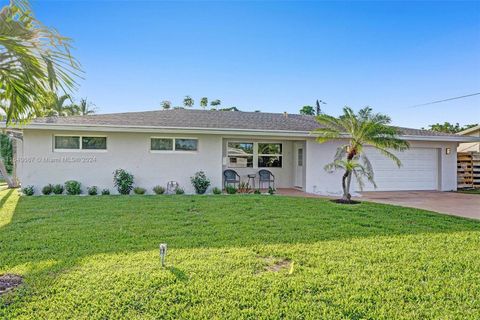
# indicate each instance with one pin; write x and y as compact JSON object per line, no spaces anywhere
{"x":34,"y":62}
{"x":215,"y":103}
{"x":84,"y":108}
{"x":356,"y":131}
{"x":55,"y":106}
{"x":188,"y":102}
{"x":204,"y":102}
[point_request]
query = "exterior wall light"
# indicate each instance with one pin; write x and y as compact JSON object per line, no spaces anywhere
{"x":448,"y":151}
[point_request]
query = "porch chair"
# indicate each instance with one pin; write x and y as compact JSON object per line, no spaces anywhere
{"x":265,"y":176}
{"x":230,"y":176}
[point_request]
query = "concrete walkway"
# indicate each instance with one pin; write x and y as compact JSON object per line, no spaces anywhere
{"x":457,"y":204}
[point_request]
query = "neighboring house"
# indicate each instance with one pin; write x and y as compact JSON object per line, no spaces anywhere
{"x":470,"y":146}
{"x":161,"y":146}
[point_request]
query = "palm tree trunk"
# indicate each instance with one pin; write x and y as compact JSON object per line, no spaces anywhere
{"x":10,"y":182}
{"x":346,"y":181}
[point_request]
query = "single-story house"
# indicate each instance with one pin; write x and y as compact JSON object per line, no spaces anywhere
{"x":470,"y":146}
{"x":171,"y":145}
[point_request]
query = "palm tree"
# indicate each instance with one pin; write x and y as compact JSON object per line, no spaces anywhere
{"x":34,"y":62}
{"x":188,"y":102}
{"x":84,"y":108}
{"x":215,"y":103}
{"x":165,"y":104}
{"x":54,"y":106}
{"x":356,"y":131}
{"x":204,"y":102}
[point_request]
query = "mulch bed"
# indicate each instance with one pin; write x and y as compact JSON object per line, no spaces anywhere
{"x":9,"y":282}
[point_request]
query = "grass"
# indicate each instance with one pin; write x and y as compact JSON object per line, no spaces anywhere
{"x":97,"y":258}
{"x":469,"y":191}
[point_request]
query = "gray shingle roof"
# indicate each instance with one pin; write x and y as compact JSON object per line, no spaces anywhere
{"x":208,"y":119}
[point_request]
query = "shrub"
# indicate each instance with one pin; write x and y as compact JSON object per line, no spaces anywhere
{"x":138,"y":190}
{"x":200,"y":182}
{"x":73,"y":187}
{"x":47,"y":189}
{"x":93,"y":190}
{"x":28,"y":190}
{"x":217,"y":190}
{"x":257,"y":191}
{"x":57,"y":189}
{"x":123,"y":181}
{"x":231,"y":189}
{"x":105,"y":192}
{"x":179,"y":190}
{"x":159,"y":190}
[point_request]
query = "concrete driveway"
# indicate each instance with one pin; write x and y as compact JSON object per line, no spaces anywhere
{"x":457,"y":204}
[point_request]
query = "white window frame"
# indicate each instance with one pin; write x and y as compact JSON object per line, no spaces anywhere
{"x":252,"y":155}
{"x":255,"y":153}
{"x":80,"y":149}
{"x":280,"y":155}
{"x":174,"y":145}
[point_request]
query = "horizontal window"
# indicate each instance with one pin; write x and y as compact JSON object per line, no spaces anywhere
{"x":186,"y":144}
{"x":80,"y":143}
{"x":269,"y":161}
{"x":94,"y":143}
{"x":236,"y":148}
{"x":161,"y":144}
{"x":67,"y":142}
{"x":173,"y":144}
{"x":270,"y":148}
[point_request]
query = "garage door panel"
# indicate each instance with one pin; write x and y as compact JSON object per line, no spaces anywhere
{"x":419,"y":170}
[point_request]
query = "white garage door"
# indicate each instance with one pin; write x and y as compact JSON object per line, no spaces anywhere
{"x":419,"y":170}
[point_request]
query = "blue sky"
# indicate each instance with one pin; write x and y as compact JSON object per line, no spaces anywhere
{"x":278,"y":56}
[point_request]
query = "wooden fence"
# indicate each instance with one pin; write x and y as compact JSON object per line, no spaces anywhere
{"x":468,"y":170}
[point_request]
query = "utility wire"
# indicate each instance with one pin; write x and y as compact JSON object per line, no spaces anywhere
{"x":438,"y":101}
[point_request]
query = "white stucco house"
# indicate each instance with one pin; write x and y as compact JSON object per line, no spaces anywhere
{"x":171,"y":145}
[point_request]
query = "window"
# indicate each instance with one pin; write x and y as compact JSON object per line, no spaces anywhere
{"x":79,"y":143}
{"x":161,"y":144}
{"x":300,"y":157}
{"x":67,"y":142}
{"x":269,"y":155}
{"x":173,"y":144}
{"x":94,"y":143}
{"x":240,"y":154}
{"x":186,"y":144}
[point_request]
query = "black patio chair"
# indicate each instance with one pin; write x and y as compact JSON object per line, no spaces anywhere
{"x":229,"y":177}
{"x":265,"y":176}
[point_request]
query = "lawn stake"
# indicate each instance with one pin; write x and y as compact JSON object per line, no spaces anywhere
{"x":163,"y":253}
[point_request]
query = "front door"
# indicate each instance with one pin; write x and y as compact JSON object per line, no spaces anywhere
{"x":299,"y":163}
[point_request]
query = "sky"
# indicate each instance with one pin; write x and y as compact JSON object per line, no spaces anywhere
{"x":277,"y":56}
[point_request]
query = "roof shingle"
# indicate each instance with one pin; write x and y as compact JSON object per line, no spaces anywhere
{"x":208,"y":119}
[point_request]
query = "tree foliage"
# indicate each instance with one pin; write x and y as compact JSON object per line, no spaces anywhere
{"x":34,"y":62}
{"x":448,"y":127}
{"x":355,"y":131}
{"x":307,"y":111}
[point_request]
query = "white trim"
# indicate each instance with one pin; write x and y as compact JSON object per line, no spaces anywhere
{"x":80,"y":137}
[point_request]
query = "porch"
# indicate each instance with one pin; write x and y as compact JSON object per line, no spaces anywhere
{"x":284,"y":159}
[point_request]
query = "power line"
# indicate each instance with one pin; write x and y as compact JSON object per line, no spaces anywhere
{"x":438,"y":101}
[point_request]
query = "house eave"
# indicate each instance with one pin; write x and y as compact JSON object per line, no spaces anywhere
{"x":217,"y":131}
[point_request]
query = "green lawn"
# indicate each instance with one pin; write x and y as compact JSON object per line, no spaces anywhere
{"x":97,"y":258}
{"x":470,"y":191}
